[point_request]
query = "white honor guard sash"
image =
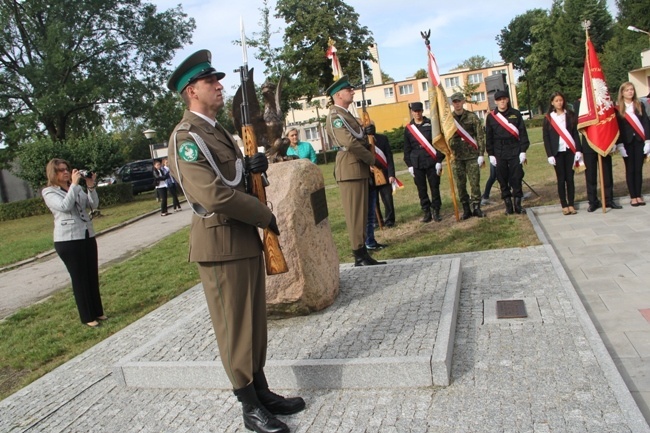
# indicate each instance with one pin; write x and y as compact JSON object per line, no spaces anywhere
{"x":381,"y":158}
{"x":505,"y":124}
{"x":415,"y":132}
{"x":465,"y":135}
{"x":562,"y":132}
{"x":635,"y":123}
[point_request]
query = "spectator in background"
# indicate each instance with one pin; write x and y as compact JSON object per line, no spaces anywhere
{"x":385,"y":191}
{"x":74,"y":236}
{"x":171,"y":185}
{"x":298,"y":148}
{"x":160,"y":179}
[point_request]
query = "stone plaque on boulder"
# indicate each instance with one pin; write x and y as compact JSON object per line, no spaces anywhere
{"x":312,"y":282}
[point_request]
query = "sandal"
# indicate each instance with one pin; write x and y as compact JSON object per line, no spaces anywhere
{"x":566,"y":211}
{"x":572,"y":210}
{"x":93,"y":324}
{"x":103,"y":317}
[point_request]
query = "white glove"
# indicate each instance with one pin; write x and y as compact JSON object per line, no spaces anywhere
{"x":578,"y":156}
{"x":493,"y":160}
{"x":411,"y":171}
{"x":438,"y":168}
{"x":551,"y":160}
{"x":621,"y":149}
{"x":480,"y":161}
{"x":646,"y":147}
{"x":522,"y":157}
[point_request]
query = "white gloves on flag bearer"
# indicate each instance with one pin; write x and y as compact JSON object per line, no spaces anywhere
{"x":480,"y":161}
{"x":493,"y":160}
{"x":646,"y":147}
{"x":411,"y":171}
{"x":438,"y":168}
{"x":621,"y":149}
{"x":551,"y":160}
{"x":578,"y":157}
{"x":522,"y":157}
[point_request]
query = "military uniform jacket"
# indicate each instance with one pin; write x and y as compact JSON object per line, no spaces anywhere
{"x":231,"y":232}
{"x":500,"y":142}
{"x":354,"y":159}
{"x":414,"y":155}
{"x":552,"y":138}
{"x":472,"y":124}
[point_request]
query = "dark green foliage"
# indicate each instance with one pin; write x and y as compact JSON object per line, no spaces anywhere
{"x":22,"y":209}
{"x":396,"y":139}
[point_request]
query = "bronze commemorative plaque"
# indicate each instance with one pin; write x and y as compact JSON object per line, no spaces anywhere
{"x":512,"y":309}
{"x":319,"y":205}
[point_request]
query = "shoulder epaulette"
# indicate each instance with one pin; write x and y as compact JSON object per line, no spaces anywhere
{"x":185,"y":126}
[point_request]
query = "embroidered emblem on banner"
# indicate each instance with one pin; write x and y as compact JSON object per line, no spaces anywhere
{"x":338,"y":123}
{"x":189,"y":151}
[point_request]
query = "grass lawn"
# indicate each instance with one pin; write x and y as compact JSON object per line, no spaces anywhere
{"x":137,"y":286}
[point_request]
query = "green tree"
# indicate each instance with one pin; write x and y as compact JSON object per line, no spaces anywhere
{"x":386,"y":78}
{"x":475,"y":62}
{"x":98,"y":152}
{"x":66,"y":64}
{"x":421,"y":73}
{"x":468,"y":89}
{"x":310,"y":23}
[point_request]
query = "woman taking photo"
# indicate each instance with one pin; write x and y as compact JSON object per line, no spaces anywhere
{"x":74,"y":236}
{"x":563,"y":148}
{"x":634,"y":139}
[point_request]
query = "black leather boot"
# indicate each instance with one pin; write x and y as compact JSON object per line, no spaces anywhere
{"x":362,"y":258}
{"x":256,"y":417}
{"x":274,"y":403}
{"x":518,"y":208}
{"x":467,"y":213}
{"x":509,"y":208}
{"x":436,"y":215}
{"x":426,"y":217}
{"x":477,"y":210}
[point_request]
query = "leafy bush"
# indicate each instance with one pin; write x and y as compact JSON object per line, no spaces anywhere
{"x":396,"y":139}
{"x":535,"y":122}
{"x":330,"y":155}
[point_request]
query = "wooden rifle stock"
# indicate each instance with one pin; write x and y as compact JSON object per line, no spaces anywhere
{"x":273,"y":257}
{"x":380,"y":179}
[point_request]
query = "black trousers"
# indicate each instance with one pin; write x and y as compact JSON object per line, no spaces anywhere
{"x":591,"y":178}
{"x":564,"y":172}
{"x":634,"y":167}
{"x":174,"y":193}
{"x":386,"y":194}
{"x":422,"y":176}
{"x":80,"y":258}
{"x":162,"y":195}
{"x":510,"y":174}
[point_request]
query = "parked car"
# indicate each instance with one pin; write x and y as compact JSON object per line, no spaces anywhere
{"x":104,"y":181}
{"x":139,"y":174}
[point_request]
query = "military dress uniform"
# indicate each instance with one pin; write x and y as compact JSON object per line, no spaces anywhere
{"x":465,"y":161}
{"x":506,"y":148}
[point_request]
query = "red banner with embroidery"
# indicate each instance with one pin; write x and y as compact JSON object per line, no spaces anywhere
{"x":415,"y":132}
{"x":562,"y":132}
{"x":467,"y":138}
{"x":635,"y":123}
{"x":512,"y":129}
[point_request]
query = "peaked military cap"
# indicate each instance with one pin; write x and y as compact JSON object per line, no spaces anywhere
{"x":500,"y":94}
{"x":416,"y":106}
{"x":340,"y":84}
{"x":458,"y":96}
{"x":193,"y":68}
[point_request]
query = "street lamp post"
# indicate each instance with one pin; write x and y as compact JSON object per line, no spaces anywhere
{"x":150,"y":134}
{"x":638,"y":30}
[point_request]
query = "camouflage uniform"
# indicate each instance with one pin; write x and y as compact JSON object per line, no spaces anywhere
{"x":465,"y":163}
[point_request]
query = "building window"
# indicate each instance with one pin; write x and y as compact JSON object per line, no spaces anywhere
{"x":452,"y":82}
{"x":425,"y":86}
{"x":478,"y":97}
{"x":388,"y":92}
{"x":406,"y":89}
{"x":427,"y":104}
{"x":311,"y":133}
{"x":358,"y":103}
{"x":499,"y":72}
{"x":475,"y":78}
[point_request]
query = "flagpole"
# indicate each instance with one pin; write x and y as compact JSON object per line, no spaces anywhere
{"x":433,"y":77}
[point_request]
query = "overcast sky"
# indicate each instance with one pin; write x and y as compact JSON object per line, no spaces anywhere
{"x":467,"y":29}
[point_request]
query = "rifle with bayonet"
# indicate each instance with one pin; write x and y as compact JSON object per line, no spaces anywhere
{"x":273,"y":257}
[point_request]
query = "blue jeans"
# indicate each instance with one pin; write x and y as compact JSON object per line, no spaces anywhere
{"x":372,"y":217}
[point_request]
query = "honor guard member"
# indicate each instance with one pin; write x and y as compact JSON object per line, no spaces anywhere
{"x":224,"y":238}
{"x":422,"y":165}
{"x":352,"y":168}
{"x":468,"y":146}
{"x":506,"y":144}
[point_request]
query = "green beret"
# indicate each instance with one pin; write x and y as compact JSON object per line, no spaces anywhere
{"x":193,"y":68}
{"x":458,"y":96}
{"x":340,"y":84}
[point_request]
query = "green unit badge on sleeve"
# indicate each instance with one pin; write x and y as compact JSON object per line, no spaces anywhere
{"x":338,"y":123}
{"x":188,"y":151}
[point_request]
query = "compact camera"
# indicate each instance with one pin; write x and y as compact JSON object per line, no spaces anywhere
{"x":86,"y":173}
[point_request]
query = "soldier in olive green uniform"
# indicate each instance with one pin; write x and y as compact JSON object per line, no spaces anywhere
{"x":468,"y":157}
{"x":352,"y":168}
{"x":224,"y":239}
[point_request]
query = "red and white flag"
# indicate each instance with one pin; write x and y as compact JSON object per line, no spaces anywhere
{"x":336,"y":66}
{"x":597,"y":116}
